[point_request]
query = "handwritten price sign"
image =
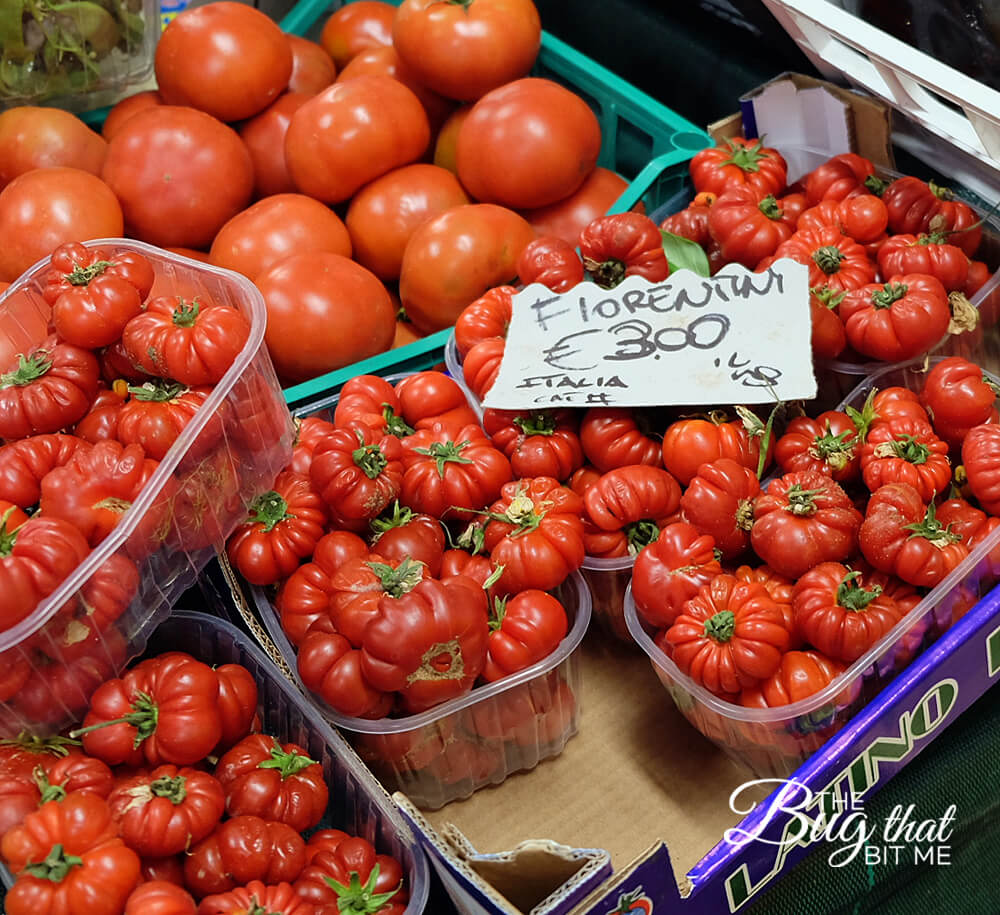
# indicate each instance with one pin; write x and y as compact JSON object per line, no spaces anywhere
{"x":737,"y":337}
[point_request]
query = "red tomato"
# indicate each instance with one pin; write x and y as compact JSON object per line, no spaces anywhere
{"x":49,"y":390}
{"x":747,"y":226}
{"x":613,"y":437}
{"x":157,"y":413}
{"x":127,"y":107}
{"x":463,"y":51}
{"x":804,"y":518}
{"x":405,"y":533}
{"x":352,"y":133}
{"x":926,"y":254}
{"x":448,"y":476}
{"x":838,"y":177}
{"x":527,"y":144}
{"x":738,"y":162}
{"x":863,"y":218}
{"x":356,"y":26}
{"x":256,"y":897}
{"x":158,"y":897}
{"x":23,"y":464}
{"x":621,"y":245}
{"x":897,"y":320}
{"x":47,"y":207}
{"x":282,"y":530}
{"x":405,"y":334}
{"x":454,"y":258}
{"x":523,"y":631}
{"x":384,"y":215}
{"x":237,"y":704}
{"x":34,"y":559}
{"x":101,"y":421}
{"x":192,"y":342}
{"x":719,"y":502}
{"x":894,"y":403}
{"x":350,"y":315}
{"x":535,"y":532}
{"x":689,"y":443}
{"x":838,"y":614}
{"x":959,"y":396}
{"x":801,"y":674}
{"x":305,"y":596}
{"x":833,"y":259}
{"x":274,"y":228}
{"x":915,"y":207}
{"x":488,"y":316}
{"x":427,"y":397}
{"x":828,"y":444}
{"x":312,"y":68}
{"x":829,"y":339}
{"x":905,"y":451}
{"x":265,"y":778}
{"x":729,"y":636}
{"x":538,"y":444}
{"x":691,"y":223}
{"x":567,"y":218}
{"x":385,"y":61}
{"x":169,"y":196}
{"x":981,"y":459}
{"x":244,"y":60}
{"x":264,"y":137}
{"x":74,"y":266}
{"x":366,"y":399}
{"x":429,"y":643}
{"x":482,"y":365}
{"x":901,"y":535}
{"x":670,"y":571}
{"x":242,"y":849}
{"x":33,"y":137}
{"x":168,"y":810}
{"x":633,"y":499}
{"x":446,"y":142}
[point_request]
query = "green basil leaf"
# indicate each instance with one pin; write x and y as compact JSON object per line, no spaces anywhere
{"x":684,"y":254}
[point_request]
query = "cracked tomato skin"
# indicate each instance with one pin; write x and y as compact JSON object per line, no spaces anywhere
{"x":730,"y":636}
{"x":293,"y":792}
{"x":535,"y":532}
{"x":429,"y":644}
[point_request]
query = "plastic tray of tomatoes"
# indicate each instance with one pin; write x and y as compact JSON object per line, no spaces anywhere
{"x":435,"y":745}
{"x":774,"y":741}
{"x":357,"y":804}
{"x":89,"y":625}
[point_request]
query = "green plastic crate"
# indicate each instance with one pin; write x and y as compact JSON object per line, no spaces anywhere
{"x":642,"y":140}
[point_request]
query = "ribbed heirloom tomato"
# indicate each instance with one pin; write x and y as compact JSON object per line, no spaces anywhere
{"x":523,"y":630}
{"x":739,"y":162}
{"x":905,"y":451}
{"x":552,"y":262}
{"x":960,"y":396}
{"x":538,"y":443}
{"x":406,"y":533}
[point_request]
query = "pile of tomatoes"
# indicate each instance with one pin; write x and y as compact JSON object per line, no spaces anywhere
{"x":173,"y":797}
{"x":124,"y":371}
{"x":892,"y":264}
{"x":399,"y":166}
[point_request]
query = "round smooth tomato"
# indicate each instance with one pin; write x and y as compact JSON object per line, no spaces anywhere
{"x":312,"y":68}
{"x":568,"y":217}
{"x":33,"y":137}
{"x":264,"y":137}
{"x":384,"y":215}
{"x":324,"y":311}
{"x":47,"y":207}
{"x":356,"y":26}
{"x":352,"y":133}
{"x":168,"y":195}
{"x":226,"y":59}
{"x":463,"y":50}
{"x":446,"y":142}
{"x":528,"y":144}
{"x":452,"y":259}
{"x":127,"y":107}
{"x":386,"y":62}
{"x":275,"y":228}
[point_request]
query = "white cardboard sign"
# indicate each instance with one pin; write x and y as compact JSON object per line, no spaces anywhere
{"x":736,"y":337}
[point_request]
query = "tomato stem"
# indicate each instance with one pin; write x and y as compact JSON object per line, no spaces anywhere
{"x":7,"y":538}
{"x":400,"y":580}
{"x":540,"y":423}
{"x":400,"y":517}
{"x":828,"y":259}
{"x":269,"y":509}
{"x":801,"y":502}
{"x":82,"y":276}
{"x":864,"y":417}
{"x":443,"y":452}
{"x":875,"y":185}
{"x":827,"y":296}
{"x":905,"y":447}
{"x":395,"y":424}
{"x":640,"y":534}
{"x":157,"y":391}
{"x":32,"y":743}
{"x":769,"y":207}
{"x":606,"y":274}
{"x":852,"y":596}
{"x":55,"y":867}
{"x":370,"y":459}
{"x":144,"y":717}
{"x":288,"y":763}
{"x":833,"y":450}
{"x":359,"y":898}
{"x":498,"y":614}
{"x":721,"y":626}
{"x":48,"y":791}
{"x":745,"y":158}
{"x":186,"y":315}
{"x":889,"y":293}
{"x":28,"y":370}
{"x":931,"y":529}
{"x":174,"y":788}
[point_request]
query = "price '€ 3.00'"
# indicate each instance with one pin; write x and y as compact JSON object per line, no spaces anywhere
{"x":737,"y":337}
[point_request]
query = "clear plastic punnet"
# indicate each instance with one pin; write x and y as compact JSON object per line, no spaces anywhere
{"x":76,"y":54}
{"x":102,"y":613}
{"x":774,"y":742}
{"x":358,"y":804}
{"x":608,"y":580}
